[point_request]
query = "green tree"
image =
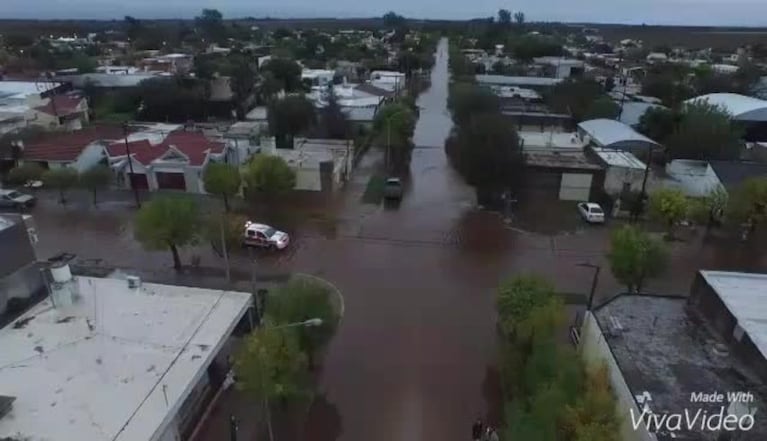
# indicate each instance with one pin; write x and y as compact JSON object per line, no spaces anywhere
{"x":602,"y":107}
{"x":635,"y":257}
{"x":271,"y":365}
{"x":487,"y":153}
{"x":303,"y":298}
{"x":96,"y":178}
{"x":670,"y":206}
{"x":167,"y":222}
{"x":211,"y":22}
{"x":333,"y":123}
{"x":222,"y":180}
{"x":705,"y":132}
{"x":269,"y":175}
{"x":29,"y":171}
{"x":658,"y":123}
{"x":519,"y":18}
{"x":289,"y":117}
{"x":574,"y":97}
{"x":748,"y":204}
{"x":393,"y":125}
{"x":593,"y":416}
{"x":287,"y":72}
{"x":517,"y":297}
{"x":504,"y":17}
{"x":232,"y":226}
{"x":61,"y":179}
{"x":134,"y":27}
{"x":242,"y":80}
{"x":392,"y":20}
{"x":711,"y":209}
{"x":469,"y":100}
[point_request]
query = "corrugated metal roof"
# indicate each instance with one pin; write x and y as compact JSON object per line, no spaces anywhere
{"x":517,"y":81}
{"x":739,"y":106}
{"x":607,"y":132}
{"x":745,"y":296}
{"x":619,"y":158}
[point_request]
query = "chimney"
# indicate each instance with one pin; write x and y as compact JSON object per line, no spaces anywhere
{"x":62,"y":286}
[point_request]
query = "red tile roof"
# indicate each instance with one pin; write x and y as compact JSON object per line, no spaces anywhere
{"x":65,"y":104}
{"x":192,"y":144}
{"x":68,"y":146}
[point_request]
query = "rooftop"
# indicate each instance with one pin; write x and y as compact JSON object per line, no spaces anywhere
{"x":733,"y":173}
{"x":606,"y":132}
{"x":632,"y":111}
{"x":619,"y":158}
{"x":548,"y":141}
{"x":20,"y":89}
{"x":745,"y":296}
{"x":67,"y":146}
{"x":114,"y":364}
{"x":666,"y":355}
{"x":560,"y":160}
{"x":193,"y":145}
{"x":517,"y":81}
{"x":739,"y":106}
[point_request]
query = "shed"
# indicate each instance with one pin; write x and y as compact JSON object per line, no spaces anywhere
{"x":623,"y":171}
{"x":611,"y":134}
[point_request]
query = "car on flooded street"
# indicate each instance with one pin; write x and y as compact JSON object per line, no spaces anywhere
{"x":15,"y":200}
{"x":264,"y":236}
{"x":591,"y":212}
{"x":393,"y":189}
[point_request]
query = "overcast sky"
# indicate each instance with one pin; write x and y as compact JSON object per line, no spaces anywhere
{"x":690,"y":12}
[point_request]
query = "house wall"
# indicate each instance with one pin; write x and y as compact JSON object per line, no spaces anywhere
{"x":575,"y":187}
{"x":23,"y":284}
{"x":308,"y":178}
{"x":615,"y":177}
{"x":704,"y":302}
{"x":192,"y":176}
{"x":596,"y":352}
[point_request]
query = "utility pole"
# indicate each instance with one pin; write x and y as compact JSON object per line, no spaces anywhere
{"x":225,"y":252}
{"x":594,"y":282}
{"x":130,"y":166}
{"x":643,"y":193}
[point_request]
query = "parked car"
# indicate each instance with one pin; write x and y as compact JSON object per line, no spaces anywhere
{"x":15,"y":199}
{"x":264,"y":236}
{"x":591,"y":212}
{"x":393,"y":188}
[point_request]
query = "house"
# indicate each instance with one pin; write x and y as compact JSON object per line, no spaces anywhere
{"x":549,"y":142}
{"x":611,"y":134}
{"x":317,"y":77}
{"x":361,"y":117}
{"x":560,"y":67}
{"x":81,"y":149}
{"x":535,"y":83}
{"x":388,"y":80}
{"x":562,"y":176}
{"x":19,"y":100}
{"x":749,"y":111}
{"x":732,"y":174}
{"x":657,"y":57}
{"x":623,"y":171}
{"x":674,"y":355}
{"x":108,"y":81}
{"x":696,"y":179}
{"x":175,"y":64}
{"x":320,"y":164}
{"x":115,"y":359}
{"x":260,"y":115}
{"x":20,"y":278}
{"x":67,"y":112}
{"x":172,"y":161}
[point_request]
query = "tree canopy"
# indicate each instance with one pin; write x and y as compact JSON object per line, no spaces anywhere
{"x":222,"y":180}
{"x":635,"y":257}
{"x":286,"y":72}
{"x":96,"y":178}
{"x":167,"y":222}
{"x":748,"y":203}
{"x":269,"y":175}
{"x":303,"y":298}
{"x":580,"y":98}
{"x":517,"y":297}
{"x":61,"y":179}
{"x":670,"y":206}
{"x":467,"y":100}
{"x":704,"y":132}
{"x":289,"y":117}
{"x":271,"y":364}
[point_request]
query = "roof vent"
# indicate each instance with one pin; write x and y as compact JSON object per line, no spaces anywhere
{"x":134,"y":282}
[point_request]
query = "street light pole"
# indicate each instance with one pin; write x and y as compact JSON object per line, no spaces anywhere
{"x":130,"y":166}
{"x":594,"y":282}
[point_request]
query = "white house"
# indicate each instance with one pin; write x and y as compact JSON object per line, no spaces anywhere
{"x":388,"y":80}
{"x":623,"y":171}
{"x":105,"y":359}
{"x":318,"y":77}
{"x":320,"y":164}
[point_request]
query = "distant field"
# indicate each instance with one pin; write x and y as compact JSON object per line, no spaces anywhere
{"x":690,"y":37}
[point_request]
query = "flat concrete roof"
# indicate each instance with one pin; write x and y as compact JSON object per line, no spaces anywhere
{"x":506,"y":80}
{"x":619,"y":158}
{"x":665,"y":355}
{"x":116,"y":363}
{"x":745,"y":296}
{"x":550,"y":141}
{"x":575,"y":160}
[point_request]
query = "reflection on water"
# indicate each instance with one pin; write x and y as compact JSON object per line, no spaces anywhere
{"x":434,"y":122}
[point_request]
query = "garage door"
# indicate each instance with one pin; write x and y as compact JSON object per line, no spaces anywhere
{"x":171,"y":181}
{"x":138,"y":181}
{"x":575,"y":187}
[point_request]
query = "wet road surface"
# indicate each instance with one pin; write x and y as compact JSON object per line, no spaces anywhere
{"x":413,"y":357}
